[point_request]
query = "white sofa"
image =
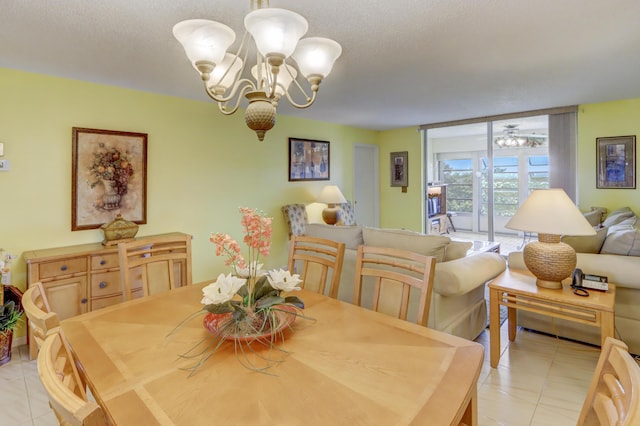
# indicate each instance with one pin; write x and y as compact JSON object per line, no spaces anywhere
{"x":458,"y":303}
{"x":615,"y":253}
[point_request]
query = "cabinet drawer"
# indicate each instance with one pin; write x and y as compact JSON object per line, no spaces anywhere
{"x":104,"y":261}
{"x":105,"y":301}
{"x":106,"y":283}
{"x":63,"y":267}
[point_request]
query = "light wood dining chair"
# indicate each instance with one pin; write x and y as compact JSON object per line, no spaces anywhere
{"x":62,"y":382}
{"x":155,"y":264}
{"x":317,"y":261}
{"x":614,"y":394}
{"x":41,"y":320}
{"x":394,"y":273}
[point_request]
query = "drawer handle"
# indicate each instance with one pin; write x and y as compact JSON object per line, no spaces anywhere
{"x":84,"y":300}
{"x":103,"y":262}
{"x":102,"y":284}
{"x":63,"y":268}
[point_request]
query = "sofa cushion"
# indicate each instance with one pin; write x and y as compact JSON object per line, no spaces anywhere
{"x":456,"y":250}
{"x":586,"y":243}
{"x":351,"y":236}
{"x":623,"y":239}
{"x":295,"y":215}
{"x":428,"y":245}
{"x":617,"y":216}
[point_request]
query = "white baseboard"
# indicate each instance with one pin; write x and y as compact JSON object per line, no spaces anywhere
{"x":18,"y":341}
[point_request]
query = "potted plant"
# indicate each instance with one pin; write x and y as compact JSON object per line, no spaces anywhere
{"x":10,"y":316}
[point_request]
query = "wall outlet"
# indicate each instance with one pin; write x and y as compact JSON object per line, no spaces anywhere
{"x":4,"y":165}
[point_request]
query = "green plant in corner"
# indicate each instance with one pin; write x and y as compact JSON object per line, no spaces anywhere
{"x":10,"y":316}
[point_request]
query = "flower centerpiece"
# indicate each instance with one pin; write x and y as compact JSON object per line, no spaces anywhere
{"x":248,"y":305}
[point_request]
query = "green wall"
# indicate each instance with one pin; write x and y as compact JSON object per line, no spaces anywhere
{"x":617,"y":118}
{"x":202,"y":165}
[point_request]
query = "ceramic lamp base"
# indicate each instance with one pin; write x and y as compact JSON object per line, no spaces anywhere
{"x":331,"y":215}
{"x":549,"y":260}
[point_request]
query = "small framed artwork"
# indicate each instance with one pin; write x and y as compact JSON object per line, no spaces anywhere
{"x":616,"y":162}
{"x":109,"y":177}
{"x":308,"y":160}
{"x":400,"y":168}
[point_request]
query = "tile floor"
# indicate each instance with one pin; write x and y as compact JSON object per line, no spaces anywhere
{"x":540,"y":380}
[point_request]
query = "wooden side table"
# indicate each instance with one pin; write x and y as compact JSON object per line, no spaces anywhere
{"x":517,"y":289}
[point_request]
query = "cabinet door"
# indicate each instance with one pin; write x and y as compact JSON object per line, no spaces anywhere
{"x":67,"y":297}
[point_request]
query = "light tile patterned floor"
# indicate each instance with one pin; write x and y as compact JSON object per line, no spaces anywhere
{"x":540,"y":380}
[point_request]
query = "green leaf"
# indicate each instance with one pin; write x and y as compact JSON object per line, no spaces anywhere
{"x":244,"y":291}
{"x":295,"y":301}
{"x":224,"y":308}
{"x":269,"y":301}
{"x":264,"y":289}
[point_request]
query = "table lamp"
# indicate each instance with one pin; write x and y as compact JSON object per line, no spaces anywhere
{"x":331,"y":195}
{"x":550,"y":213}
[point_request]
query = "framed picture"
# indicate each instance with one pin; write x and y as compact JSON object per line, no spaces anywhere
{"x":616,"y":157}
{"x":109,"y":177}
{"x":308,"y":160}
{"x":400,"y":168}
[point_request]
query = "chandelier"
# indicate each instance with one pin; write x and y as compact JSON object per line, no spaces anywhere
{"x":513,"y":139}
{"x":277,"y":36}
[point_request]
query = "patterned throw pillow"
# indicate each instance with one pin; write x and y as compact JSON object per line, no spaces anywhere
{"x":347,"y":215}
{"x":295,"y":215}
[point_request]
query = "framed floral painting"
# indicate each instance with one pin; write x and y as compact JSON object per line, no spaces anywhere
{"x":109,"y":177}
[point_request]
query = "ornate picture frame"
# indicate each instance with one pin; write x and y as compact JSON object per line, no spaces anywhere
{"x":616,"y":162}
{"x":108,"y":177}
{"x":308,"y":160}
{"x":400,"y":168}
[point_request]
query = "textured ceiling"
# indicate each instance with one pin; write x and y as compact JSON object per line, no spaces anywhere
{"x":404,"y":62}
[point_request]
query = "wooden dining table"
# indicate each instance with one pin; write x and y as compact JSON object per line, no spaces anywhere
{"x":341,"y":365}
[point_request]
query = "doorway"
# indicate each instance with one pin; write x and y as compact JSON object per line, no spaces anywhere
{"x":366,"y":193}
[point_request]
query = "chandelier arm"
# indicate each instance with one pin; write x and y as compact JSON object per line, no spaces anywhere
{"x":223,"y":99}
{"x":310,"y":100}
{"x":222,"y":106}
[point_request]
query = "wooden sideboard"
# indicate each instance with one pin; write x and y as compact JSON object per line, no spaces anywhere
{"x":80,"y":278}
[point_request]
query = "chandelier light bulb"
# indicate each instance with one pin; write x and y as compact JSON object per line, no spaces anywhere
{"x":224,"y":74}
{"x":275,"y":31}
{"x":204,"y":40}
{"x":316,"y":56}
{"x":285,"y":77}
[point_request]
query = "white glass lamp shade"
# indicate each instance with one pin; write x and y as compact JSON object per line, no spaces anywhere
{"x":331,"y":194}
{"x":550,"y":211}
{"x":204,"y":40}
{"x":316,"y":56}
{"x":284,"y":77}
{"x":220,"y":78}
{"x":275,"y":31}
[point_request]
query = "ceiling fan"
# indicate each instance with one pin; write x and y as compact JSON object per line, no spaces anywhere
{"x":512,"y":138}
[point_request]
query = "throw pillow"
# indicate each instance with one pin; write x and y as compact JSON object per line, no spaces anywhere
{"x":295,"y":215}
{"x":593,"y":217}
{"x":457,"y":249}
{"x":586,"y":243}
{"x":617,"y":216}
{"x":351,"y":236}
{"x":623,"y":239}
{"x":347,"y":215}
{"x":428,"y":245}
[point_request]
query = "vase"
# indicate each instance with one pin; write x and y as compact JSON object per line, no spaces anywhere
{"x":251,"y":327}
{"x":110,"y":198}
{"x":6,"y":338}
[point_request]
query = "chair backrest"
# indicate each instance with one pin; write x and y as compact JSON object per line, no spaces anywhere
{"x":614,"y":394}
{"x":155,"y":264}
{"x":62,"y":382}
{"x":36,"y":306}
{"x":316,"y":260}
{"x":394,"y":273}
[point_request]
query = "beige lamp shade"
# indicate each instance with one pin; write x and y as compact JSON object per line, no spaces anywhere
{"x":550,"y":213}
{"x":331,"y":195}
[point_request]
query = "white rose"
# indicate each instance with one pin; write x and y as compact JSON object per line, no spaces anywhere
{"x":283,"y":280}
{"x":222,"y":290}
